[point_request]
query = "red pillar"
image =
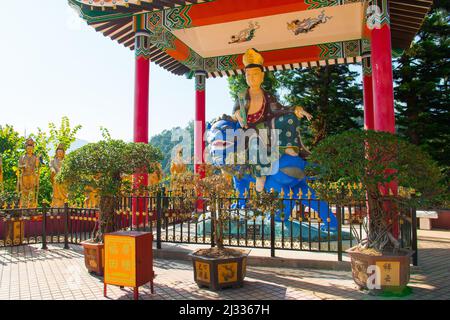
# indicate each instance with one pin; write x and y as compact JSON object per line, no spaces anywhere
{"x":368,"y":94}
{"x":383,"y":87}
{"x":141,"y":91}
{"x":141,"y":99}
{"x":199,"y":126}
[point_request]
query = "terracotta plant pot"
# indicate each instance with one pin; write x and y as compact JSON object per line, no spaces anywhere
{"x":219,"y":273}
{"x":393,"y":270}
{"x":94,"y":256}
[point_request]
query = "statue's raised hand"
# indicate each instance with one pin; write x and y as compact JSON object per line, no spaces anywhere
{"x":300,"y":113}
{"x":237,"y":116}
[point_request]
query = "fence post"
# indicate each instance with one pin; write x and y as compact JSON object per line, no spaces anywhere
{"x":272,"y":234}
{"x":44,"y":230}
{"x":213,"y":229}
{"x":158,"y":218}
{"x":339,"y":231}
{"x":414,"y":236}
{"x":66,"y":226}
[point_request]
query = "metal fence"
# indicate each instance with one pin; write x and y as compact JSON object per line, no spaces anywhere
{"x":171,"y":217}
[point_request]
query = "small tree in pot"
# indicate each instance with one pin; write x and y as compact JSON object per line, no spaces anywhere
{"x":101,"y":166}
{"x":216,"y":267}
{"x":375,"y":166}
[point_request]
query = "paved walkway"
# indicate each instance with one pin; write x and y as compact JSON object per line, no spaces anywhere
{"x":28,"y":272}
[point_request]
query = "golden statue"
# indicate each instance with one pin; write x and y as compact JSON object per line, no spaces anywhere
{"x":255,"y":108}
{"x":28,"y":177}
{"x":92,"y":198}
{"x":156,"y":176}
{"x":60,"y":193}
{"x":177,"y":166}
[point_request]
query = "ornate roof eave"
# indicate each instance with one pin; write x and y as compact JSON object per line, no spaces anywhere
{"x":132,"y":6}
{"x":117,"y":23}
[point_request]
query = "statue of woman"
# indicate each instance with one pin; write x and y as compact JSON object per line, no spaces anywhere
{"x":60,"y":194}
{"x":256,"y":109}
{"x":156,"y":176}
{"x":28,"y":176}
{"x":178,"y":166}
{"x":92,"y":197}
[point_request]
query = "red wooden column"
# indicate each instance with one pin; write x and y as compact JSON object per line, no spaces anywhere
{"x":199,"y":126}
{"x":141,"y":98}
{"x":383,"y":85}
{"x":368,"y":94}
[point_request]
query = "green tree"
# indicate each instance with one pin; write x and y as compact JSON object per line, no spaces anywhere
{"x":102,"y":165}
{"x":422,"y":91}
{"x":64,"y":134}
{"x":166,"y":144}
{"x":330,"y":93}
{"x":11,"y":147}
{"x":353,"y":164}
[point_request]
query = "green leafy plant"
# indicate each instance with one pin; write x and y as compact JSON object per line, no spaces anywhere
{"x":266,"y":202}
{"x":391,"y":172}
{"x":215,"y":188}
{"x":102,"y":166}
{"x":64,"y":134}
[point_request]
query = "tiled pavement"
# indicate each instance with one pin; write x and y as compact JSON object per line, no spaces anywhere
{"x":28,"y":272}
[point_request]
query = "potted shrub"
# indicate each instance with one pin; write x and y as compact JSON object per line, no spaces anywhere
{"x":390,"y":174}
{"x":101,"y":166}
{"x":218,"y":267}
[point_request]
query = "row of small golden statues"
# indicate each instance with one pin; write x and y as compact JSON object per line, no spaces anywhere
{"x":28,"y":178}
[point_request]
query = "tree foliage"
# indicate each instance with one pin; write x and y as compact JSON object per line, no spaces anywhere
{"x":330,"y":93}
{"x":65,"y":134}
{"x":102,"y":166}
{"x":354,"y":164}
{"x":11,"y":147}
{"x":422,"y":86}
{"x":166,"y":141}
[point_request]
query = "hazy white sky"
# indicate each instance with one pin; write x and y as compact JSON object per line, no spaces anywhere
{"x":53,"y":65}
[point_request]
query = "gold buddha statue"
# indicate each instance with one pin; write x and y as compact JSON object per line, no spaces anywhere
{"x":60,"y":193}
{"x":255,"y":107}
{"x":178,"y":166}
{"x":156,"y":176}
{"x":92,"y":198}
{"x":28,"y":177}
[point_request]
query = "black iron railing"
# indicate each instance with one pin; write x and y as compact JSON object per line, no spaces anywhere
{"x":173,"y":218}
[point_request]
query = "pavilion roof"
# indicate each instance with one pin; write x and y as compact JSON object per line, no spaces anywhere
{"x":197,"y":34}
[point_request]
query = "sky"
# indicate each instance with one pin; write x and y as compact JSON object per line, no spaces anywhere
{"x":53,"y":65}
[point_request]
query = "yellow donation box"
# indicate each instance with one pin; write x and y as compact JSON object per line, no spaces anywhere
{"x":129,"y":260}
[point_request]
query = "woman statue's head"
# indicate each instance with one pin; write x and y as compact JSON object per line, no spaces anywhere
{"x":29,"y":146}
{"x":254,"y":70}
{"x":60,"y":151}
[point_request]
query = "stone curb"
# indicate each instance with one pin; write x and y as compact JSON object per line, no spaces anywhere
{"x":259,"y":261}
